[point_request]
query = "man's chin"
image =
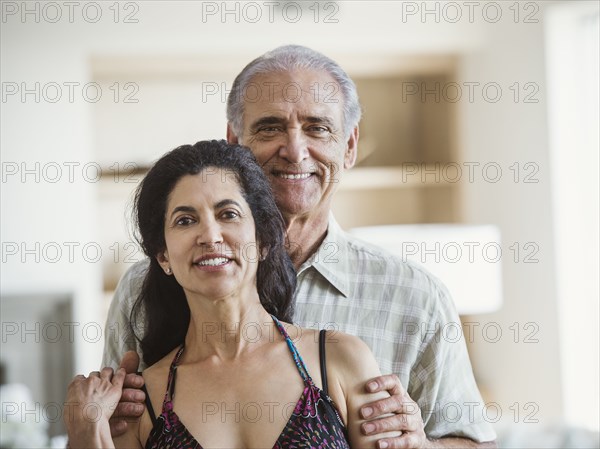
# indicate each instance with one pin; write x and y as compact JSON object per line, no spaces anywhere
{"x":291,"y":210}
{"x":295,"y":210}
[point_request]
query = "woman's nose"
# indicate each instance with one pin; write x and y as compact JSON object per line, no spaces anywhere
{"x":210,"y":232}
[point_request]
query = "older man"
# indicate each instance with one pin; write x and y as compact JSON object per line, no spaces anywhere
{"x":298,"y":112}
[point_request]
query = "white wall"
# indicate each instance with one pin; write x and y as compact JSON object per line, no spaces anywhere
{"x":37,"y":212}
{"x":572,"y":60}
{"x":505,"y":133}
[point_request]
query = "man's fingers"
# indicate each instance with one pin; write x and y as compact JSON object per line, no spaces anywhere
{"x":389,"y":382}
{"x":392,"y":404}
{"x":117,"y":427}
{"x":106,"y":373}
{"x":407,"y":440}
{"x":133,"y":381}
{"x":133,"y":395}
{"x":130,"y":411}
{"x":381,"y":425}
{"x":130,"y":362}
{"x":118,"y":378}
{"x":401,"y":422}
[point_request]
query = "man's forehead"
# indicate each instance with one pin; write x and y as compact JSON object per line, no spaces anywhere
{"x":295,"y":86}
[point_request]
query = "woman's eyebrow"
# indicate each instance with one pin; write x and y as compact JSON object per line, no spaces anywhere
{"x":218,"y":205}
{"x":183,"y":209}
{"x":227,"y":202}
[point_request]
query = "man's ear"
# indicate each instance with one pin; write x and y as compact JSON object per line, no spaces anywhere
{"x":231,"y":137}
{"x":352,"y":150}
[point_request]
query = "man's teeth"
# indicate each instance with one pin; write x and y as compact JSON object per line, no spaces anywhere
{"x":297,"y":176}
{"x":214,"y":262}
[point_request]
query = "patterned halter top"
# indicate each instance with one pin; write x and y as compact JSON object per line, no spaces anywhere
{"x":315,"y":422}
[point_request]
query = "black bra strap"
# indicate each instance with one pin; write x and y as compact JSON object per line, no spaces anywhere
{"x":322,"y":361}
{"x":149,"y":405}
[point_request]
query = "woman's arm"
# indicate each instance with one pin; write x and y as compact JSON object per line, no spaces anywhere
{"x":350,"y":366}
{"x":89,"y":404}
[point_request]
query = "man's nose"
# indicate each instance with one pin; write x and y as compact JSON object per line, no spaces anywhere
{"x":295,"y":147}
{"x":209,"y":232}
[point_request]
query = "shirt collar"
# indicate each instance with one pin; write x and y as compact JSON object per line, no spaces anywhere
{"x":331,"y":259}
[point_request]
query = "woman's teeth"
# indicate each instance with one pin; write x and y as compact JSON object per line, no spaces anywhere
{"x":214,"y":262}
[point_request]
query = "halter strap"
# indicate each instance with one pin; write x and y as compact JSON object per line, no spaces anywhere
{"x":297,"y":357}
{"x":167,"y":403}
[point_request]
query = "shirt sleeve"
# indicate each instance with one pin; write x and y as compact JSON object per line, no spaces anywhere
{"x":118,"y":337}
{"x":442,"y":380}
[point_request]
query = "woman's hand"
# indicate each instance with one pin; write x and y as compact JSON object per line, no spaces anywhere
{"x":90,"y":403}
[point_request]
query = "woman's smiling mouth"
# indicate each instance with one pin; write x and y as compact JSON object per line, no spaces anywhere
{"x":212,"y":261}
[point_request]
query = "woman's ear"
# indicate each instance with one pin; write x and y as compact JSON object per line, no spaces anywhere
{"x":264,"y":252}
{"x":163,"y":261}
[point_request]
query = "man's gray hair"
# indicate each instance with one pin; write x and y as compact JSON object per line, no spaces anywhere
{"x":286,"y":59}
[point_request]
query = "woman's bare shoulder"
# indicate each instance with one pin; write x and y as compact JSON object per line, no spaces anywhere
{"x":346,"y":349}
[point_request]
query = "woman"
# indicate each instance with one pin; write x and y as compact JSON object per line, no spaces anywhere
{"x":224,"y":370}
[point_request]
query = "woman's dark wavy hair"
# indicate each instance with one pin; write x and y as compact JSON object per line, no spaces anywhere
{"x":162,"y":304}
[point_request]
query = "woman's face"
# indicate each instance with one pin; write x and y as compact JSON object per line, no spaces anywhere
{"x":210,"y":236}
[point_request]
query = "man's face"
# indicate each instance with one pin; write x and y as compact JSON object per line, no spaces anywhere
{"x":293,"y":122}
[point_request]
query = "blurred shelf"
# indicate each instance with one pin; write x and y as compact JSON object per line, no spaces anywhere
{"x":373,"y":178}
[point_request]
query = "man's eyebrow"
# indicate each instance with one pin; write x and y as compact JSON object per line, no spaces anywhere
{"x":270,"y":120}
{"x":318,"y":119}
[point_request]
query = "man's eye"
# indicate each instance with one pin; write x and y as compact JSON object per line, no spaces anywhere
{"x":318,"y":129}
{"x":269,"y":129}
{"x":184,"y":221}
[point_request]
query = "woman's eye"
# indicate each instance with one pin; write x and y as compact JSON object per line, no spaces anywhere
{"x":184,"y":221}
{"x":230,"y":214}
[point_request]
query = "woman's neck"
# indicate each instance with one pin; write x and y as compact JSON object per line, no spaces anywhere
{"x":226,"y":328}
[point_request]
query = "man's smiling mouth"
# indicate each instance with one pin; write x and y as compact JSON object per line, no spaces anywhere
{"x":293,"y":175}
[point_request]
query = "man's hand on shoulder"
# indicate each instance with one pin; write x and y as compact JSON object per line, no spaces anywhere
{"x":406,"y":415}
{"x":131,"y":405}
{"x":406,"y":418}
